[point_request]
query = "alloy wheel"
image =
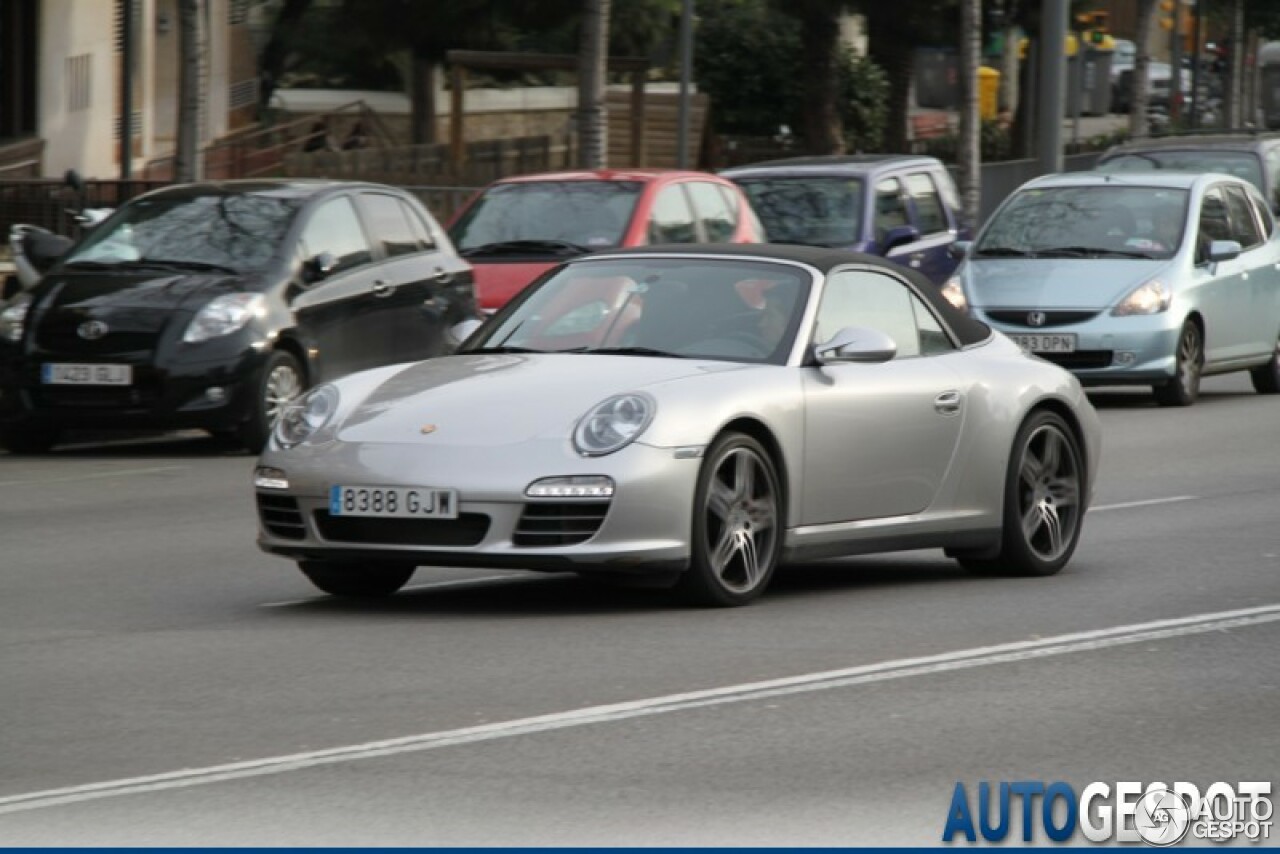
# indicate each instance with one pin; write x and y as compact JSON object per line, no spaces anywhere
{"x":1049,"y":492}
{"x":282,"y":386}
{"x":741,"y":519}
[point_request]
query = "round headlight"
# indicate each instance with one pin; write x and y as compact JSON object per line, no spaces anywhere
{"x":613,"y":424}
{"x":303,"y":417}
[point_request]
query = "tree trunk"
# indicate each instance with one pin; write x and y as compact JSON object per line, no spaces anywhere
{"x":186,"y":165}
{"x":1235,"y":74}
{"x":969,"y":154}
{"x":422,"y":99}
{"x":819,"y":41}
{"x":890,"y":48}
{"x":1141,"y":71}
{"x":593,"y":121}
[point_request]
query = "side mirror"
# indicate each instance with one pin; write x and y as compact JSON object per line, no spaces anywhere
{"x":1224,"y":250}
{"x":319,"y":267}
{"x":900,"y":235}
{"x":959,"y":249}
{"x":462,"y":331}
{"x":856,"y":344}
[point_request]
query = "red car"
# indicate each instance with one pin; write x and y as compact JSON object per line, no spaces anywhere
{"x":518,"y":228}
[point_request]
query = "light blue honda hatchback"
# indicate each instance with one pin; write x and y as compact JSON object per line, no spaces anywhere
{"x":1137,"y":278}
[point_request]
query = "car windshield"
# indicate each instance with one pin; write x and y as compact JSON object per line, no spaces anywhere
{"x":588,"y":214}
{"x":1242,"y":164}
{"x":1104,"y":221}
{"x":823,"y":211}
{"x":738,"y":310}
{"x":239,"y":233}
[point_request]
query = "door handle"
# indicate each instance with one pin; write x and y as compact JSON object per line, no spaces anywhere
{"x":383,"y":289}
{"x":442,"y":275}
{"x":947,"y":403}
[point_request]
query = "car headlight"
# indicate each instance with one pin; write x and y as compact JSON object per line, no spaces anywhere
{"x":953,"y":292}
{"x":224,"y":315}
{"x":1151,"y":298}
{"x":14,"y":317}
{"x":305,"y":416}
{"x":613,"y":424}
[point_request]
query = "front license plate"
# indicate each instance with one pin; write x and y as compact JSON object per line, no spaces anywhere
{"x":393,"y":502}
{"x":63,"y":374}
{"x":1059,"y":343}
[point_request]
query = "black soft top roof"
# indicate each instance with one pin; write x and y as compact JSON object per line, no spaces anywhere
{"x":967,"y":330}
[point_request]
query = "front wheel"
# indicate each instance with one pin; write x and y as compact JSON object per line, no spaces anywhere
{"x":1044,"y":496}
{"x":737,"y":524}
{"x":1184,"y":388}
{"x":352,"y":580}
{"x":280,"y":382}
{"x":1266,"y":378}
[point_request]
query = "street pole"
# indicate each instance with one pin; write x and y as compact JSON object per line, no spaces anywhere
{"x":1196,"y":36}
{"x":686,"y":77}
{"x":1175,"y":65}
{"x":1053,"y":42}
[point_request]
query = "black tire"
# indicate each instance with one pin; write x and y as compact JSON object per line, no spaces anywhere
{"x":738,"y":521}
{"x":1044,"y":494}
{"x":1184,"y":388}
{"x":352,"y":580}
{"x":28,"y":438}
{"x":281,"y":380}
{"x":1266,"y":378}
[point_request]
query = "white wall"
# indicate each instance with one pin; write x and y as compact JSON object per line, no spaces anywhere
{"x":82,"y":139}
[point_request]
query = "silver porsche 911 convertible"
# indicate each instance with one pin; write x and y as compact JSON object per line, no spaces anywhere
{"x":696,"y":416}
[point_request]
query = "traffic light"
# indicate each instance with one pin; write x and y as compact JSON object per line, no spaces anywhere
{"x":1168,"y":14}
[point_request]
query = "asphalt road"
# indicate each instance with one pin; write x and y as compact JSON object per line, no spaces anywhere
{"x":163,"y":682}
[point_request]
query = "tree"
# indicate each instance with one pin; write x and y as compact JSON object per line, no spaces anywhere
{"x":186,"y":166}
{"x":969,"y":153}
{"x":819,"y":41}
{"x":593,"y":58}
{"x":1141,"y":70}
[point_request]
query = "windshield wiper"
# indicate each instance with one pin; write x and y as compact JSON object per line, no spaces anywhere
{"x":502,"y":349}
{"x":1089,"y":252}
{"x":525,"y":247}
{"x":1004,"y":252}
{"x":97,"y":265}
{"x":177,"y":264}
{"x":625,"y":351}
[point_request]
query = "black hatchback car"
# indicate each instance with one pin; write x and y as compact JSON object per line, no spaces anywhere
{"x":212,"y":305}
{"x":1253,"y":157}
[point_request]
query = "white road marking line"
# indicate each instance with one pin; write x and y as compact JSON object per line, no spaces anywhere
{"x":810,"y":682}
{"x":479,"y":581}
{"x":1124,"y":505}
{"x":94,"y":476}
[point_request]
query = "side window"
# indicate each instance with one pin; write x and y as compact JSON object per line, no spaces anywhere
{"x":891,"y":209}
{"x":1264,"y":215}
{"x":335,"y":228}
{"x":859,"y":298}
{"x":1273,"y":169}
{"x":1213,"y":218}
{"x":930,"y":216}
{"x":389,"y":225}
{"x":420,"y":229}
{"x":671,"y":220}
{"x":933,"y":339}
{"x":1243,"y":227}
{"x":950,"y":195}
{"x":718,"y":221}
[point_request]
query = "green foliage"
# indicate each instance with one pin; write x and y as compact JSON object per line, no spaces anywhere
{"x":747,"y":59}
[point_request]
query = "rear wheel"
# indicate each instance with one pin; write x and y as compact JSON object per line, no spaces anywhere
{"x":354,"y":580}
{"x":1043,"y":501}
{"x":281,"y":381}
{"x":1184,"y":388}
{"x":28,"y":438}
{"x":1266,"y":378}
{"x":737,"y":524}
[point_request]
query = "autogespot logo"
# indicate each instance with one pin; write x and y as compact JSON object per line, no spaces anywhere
{"x":1156,"y":814}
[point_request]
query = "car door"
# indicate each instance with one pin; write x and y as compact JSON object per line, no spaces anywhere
{"x":1260,"y":277}
{"x":893,"y":231}
{"x":336,"y":310}
{"x":413,"y":281}
{"x":931,"y":254}
{"x":1217,"y":284}
{"x":670,"y":218}
{"x":879,"y":438}
{"x":717,"y":220}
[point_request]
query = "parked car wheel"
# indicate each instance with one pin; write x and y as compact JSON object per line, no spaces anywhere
{"x":1184,"y":388}
{"x":737,"y":522}
{"x":353,"y":580}
{"x":1044,"y":496}
{"x":282,"y":379}
{"x":28,"y":438}
{"x":1266,"y":378}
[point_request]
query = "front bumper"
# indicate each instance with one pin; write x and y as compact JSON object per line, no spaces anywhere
{"x":1135,"y":350}
{"x":645,"y":527}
